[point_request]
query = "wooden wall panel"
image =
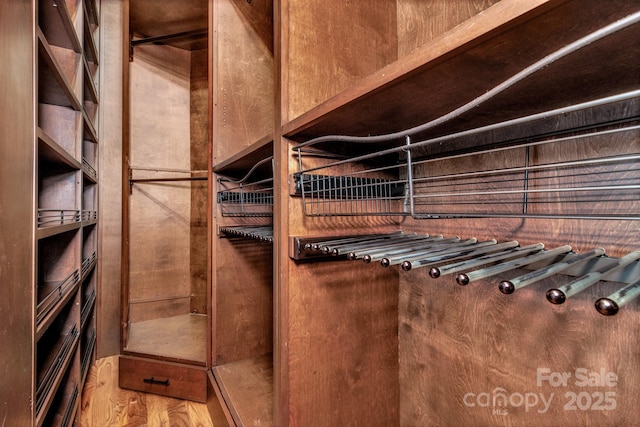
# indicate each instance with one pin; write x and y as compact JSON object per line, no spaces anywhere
{"x":199,"y":130}
{"x":160,"y":212}
{"x":414,"y":30}
{"x":17,"y":218}
{"x":110,"y":177}
{"x":460,"y":347}
{"x":243,"y":76}
{"x":244,"y":299}
{"x":328,"y":47}
{"x":342,"y":347}
{"x":337,"y":362}
{"x":463,"y":347}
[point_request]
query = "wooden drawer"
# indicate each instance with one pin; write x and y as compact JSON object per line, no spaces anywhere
{"x":165,"y":378}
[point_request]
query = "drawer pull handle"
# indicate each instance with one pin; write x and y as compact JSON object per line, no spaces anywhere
{"x":152,"y":380}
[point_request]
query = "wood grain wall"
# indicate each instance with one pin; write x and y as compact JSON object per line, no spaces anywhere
{"x":243,"y":75}
{"x":110,"y":178}
{"x":17,"y":215}
{"x":160,"y":212}
{"x":463,"y":349}
{"x":199,"y":131}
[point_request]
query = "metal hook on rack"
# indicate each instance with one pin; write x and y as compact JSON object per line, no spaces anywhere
{"x":560,"y":295}
{"x":608,"y":306}
{"x":509,"y":286}
{"x":464,"y":279}
{"x":465,"y":252}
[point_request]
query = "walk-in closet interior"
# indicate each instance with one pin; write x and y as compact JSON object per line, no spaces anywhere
{"x":324,"y":213}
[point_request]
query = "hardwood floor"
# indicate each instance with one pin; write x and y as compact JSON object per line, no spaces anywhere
{"x":104,"y":404}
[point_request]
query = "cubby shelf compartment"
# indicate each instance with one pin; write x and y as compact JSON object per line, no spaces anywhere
{"x":64,"y":404}
{"x":92,"y":11}
{"x":88,"y":263}
{"x":87,"y":353}
{"x":56,"y":349}
{"x":55,"y":295}
{"x":56,"y":19}
{"x":51,"y":151}
{"x":90,"y":45}
{"x":54,"y":86}
{"x":89,"y":172}
{"x":247,"y":388}
{"x":89,"y":130}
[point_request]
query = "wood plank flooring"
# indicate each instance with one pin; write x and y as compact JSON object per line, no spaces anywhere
{"x":104,"y":404}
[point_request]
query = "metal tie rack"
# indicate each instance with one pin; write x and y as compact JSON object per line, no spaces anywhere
{"x":469,"y":260}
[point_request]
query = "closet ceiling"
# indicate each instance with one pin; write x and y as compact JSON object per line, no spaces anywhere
{"x":154,"y":18}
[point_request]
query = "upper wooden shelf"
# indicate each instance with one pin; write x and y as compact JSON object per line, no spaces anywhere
{"x":53,"y":86}
{"x":478,"y":55}
{"x":92,"y":11}
{"x":239,"y":164}
{"x":50,"y":150}
{"x":89,"y":130}
{"x":56,"y":20}
{"x":90,"y":45}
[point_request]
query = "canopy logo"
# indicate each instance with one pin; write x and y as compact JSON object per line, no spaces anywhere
{"x":589,"y":397}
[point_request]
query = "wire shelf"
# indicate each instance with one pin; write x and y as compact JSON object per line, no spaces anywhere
{"x":591,"y":171}
{"x":250,"y":196}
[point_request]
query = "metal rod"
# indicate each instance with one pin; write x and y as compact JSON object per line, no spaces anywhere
{"x":464,"y":279}
{"x":453,"y":246}
{"x":344,"y":248}
{"x":317,"y":245}
{"x":463,"y":253}
{"x":533,"y":144}
{"x":436,"y":272}
{"x":379,"y":253}
{"x":356,"y":242}
{"x":560,"y":295}
{"x":418,"y":240}
{"x":529,"y":191}
{"x":608,"y":306}
{"x":192,"y":178}
{"x":154,"y":169}
{"x":509,"y":286}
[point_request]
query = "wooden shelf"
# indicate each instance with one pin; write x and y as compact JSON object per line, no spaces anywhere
{"x":43,"y":233}
{"x":50,"y":151}
{"x":90,"y":90}
{"x":56,"y":350}
{"x":90,"y":45}
{"x":53,"y":85}
{"x":247,"y":389}
{"x":177,"y":338}
{"x":239,"y":164}
{"x":476,"y":56}
{"x":56,"y":20}
{"x":89,"y":129}
{"x":93,"y":12}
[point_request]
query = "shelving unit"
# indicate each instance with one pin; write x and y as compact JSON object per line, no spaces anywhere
{"x":62,"y":200}
{"x":243,"y":143}
{"x":243,"y":364}
{"x":388,"y":338}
